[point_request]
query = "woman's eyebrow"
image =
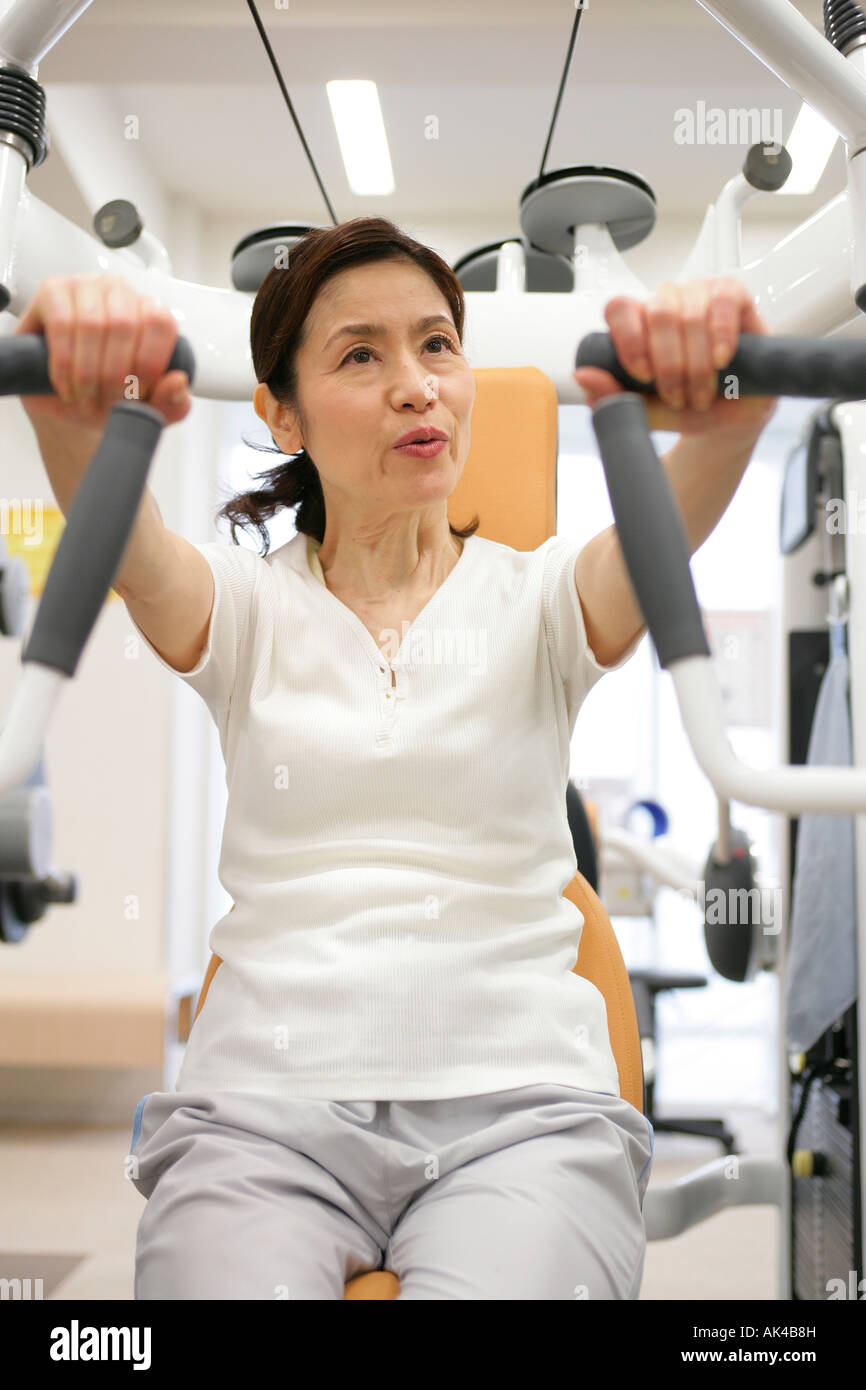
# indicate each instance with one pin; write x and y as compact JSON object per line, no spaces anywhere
{"x":378,"y":330}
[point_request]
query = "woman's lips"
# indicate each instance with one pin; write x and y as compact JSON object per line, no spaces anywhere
{"x":426,"y":450}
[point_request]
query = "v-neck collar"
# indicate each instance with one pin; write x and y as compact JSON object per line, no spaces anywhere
{"x":316,"y":574}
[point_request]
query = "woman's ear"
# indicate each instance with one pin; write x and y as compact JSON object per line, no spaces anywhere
{"x":272,"y":413}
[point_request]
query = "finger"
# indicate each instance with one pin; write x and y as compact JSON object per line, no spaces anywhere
{"x":155,"y":344}
{"x":750,"y":321}
{"x":701,"y":379}
{"x":122,"y":329}
{"x":32,"y":319}
{"x":596,"y":382}
{"x":730,"y":315}
{"x":173,"y":407}
{"x":628,"y":332}
{"x":52,"y":312}
{"x":666,"y":345}
{"x":725,"y":316}
{"x":90,"y":328}
{"x":171,"y":393}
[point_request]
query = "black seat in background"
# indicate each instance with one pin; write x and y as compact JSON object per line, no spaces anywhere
{"x":581,"y":834}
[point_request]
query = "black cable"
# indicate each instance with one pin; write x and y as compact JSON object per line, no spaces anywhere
{"x":279,"y":77}
{"x":810,"y":1075}
{"x":274,"y":64}
{"x":574,"y":29}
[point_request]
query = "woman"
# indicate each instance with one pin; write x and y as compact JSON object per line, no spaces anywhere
{"x":395,"y":1065}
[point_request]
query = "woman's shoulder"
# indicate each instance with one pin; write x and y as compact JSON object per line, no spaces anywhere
{"x":245,"y":558}
{"x":503,"y":556}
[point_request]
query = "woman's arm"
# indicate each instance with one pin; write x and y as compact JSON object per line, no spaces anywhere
{"x":704,"y":472}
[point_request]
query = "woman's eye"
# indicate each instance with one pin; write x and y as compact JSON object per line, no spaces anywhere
{"x":440,"y":338}
{"x":437,"y":338}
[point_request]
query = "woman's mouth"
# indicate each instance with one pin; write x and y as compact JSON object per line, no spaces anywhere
{"x":426,"y":449}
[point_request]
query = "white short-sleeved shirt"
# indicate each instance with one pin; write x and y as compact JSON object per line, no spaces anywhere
{"x":397,"y":856}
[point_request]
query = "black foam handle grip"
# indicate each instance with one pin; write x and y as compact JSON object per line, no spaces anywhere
{"x":763,"y":365}
{"x":649,"y":528}
{"x":24,"y":364}
{"x":95,"y":537}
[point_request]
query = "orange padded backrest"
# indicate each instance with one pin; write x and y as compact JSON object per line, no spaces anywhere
{"x":600,"y":961}
{"x":509,"y":478}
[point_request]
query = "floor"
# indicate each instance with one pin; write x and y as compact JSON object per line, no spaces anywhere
{"x":73,"y":1219}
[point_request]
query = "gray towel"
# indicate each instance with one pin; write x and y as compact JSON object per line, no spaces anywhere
{"x":821,"y":976}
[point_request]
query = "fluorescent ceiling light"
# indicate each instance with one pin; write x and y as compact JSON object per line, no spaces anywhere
{"x":810,"y":145}
{"x":361,"y":133}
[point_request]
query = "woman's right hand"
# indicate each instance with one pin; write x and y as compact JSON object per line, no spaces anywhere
{"x":106,"y":342}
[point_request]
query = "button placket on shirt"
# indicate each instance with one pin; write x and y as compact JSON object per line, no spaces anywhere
{"x":390,"y":695}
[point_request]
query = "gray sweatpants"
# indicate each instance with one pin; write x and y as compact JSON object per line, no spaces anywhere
{"x":530,"y":1193}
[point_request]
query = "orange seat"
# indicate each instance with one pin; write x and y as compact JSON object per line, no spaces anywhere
{"x":509,"y":480}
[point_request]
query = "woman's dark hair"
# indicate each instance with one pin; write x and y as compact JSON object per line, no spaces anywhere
{"x":277,"y":331}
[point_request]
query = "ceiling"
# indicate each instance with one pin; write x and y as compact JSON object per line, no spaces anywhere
{"x":213,"y":124}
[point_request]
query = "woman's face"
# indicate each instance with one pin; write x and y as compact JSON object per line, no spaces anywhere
{"x":359,"y":391}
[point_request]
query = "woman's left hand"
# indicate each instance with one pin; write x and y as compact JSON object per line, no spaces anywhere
{"x":671,"y":339}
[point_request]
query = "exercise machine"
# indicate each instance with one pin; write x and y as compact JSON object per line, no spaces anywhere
{"x":547,"y":288}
